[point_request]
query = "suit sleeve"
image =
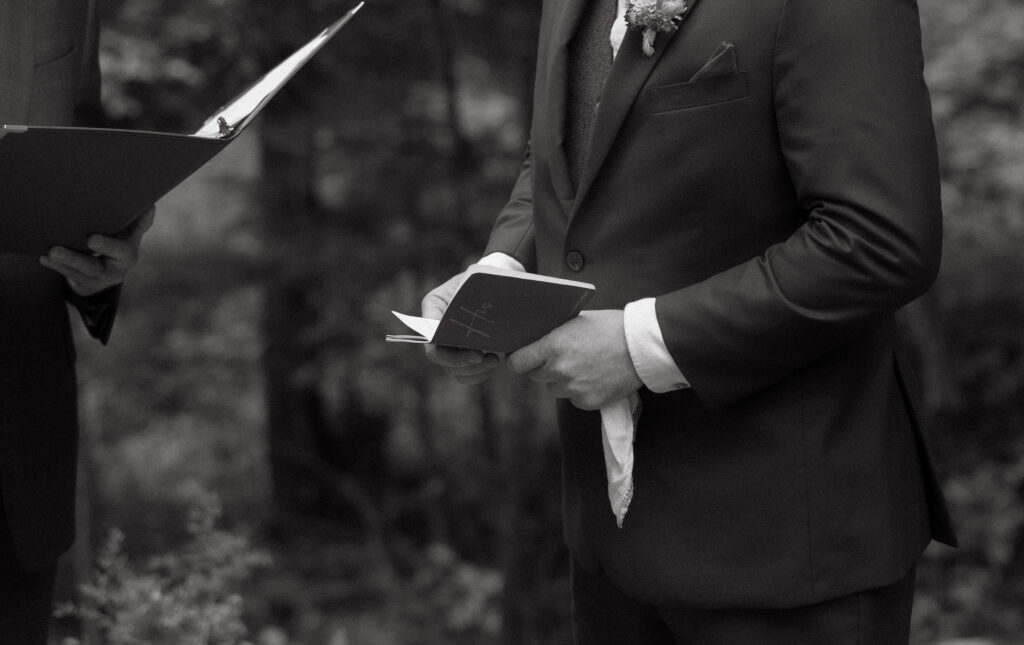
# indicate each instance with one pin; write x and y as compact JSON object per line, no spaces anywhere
{"x":854,"y":125}
{"x":99,"y":310}
{"x":513,"y":231}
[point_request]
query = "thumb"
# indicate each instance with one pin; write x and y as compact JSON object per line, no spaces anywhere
{"x":434,"y":303}
{"x":528,"y":358}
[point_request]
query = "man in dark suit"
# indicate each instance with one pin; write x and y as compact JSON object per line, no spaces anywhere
{"x":49,"y":75}
{"x":753,"y":199}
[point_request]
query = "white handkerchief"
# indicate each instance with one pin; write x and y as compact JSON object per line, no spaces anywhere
{"x":618,"y":431}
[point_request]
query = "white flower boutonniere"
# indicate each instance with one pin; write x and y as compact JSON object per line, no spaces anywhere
{"x":654,"y":17}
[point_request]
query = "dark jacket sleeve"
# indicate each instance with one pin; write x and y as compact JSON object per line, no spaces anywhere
{"x":512,"y":233}
{"x":855,"y":129}
{"x":99,"y":310}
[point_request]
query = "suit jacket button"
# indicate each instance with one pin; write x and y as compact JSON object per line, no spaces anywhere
{"x":574,"y":260}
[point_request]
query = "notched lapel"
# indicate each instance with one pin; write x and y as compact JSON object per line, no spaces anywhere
{"x":722,"y":62}
{"x":557,"y":91}
{"x":568,"y":22}
{"x":628,"y":75}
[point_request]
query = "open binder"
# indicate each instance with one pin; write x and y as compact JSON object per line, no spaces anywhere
{"x":59,"y":185}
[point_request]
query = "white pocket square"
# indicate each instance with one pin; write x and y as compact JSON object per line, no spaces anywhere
{"x":722,"y":62}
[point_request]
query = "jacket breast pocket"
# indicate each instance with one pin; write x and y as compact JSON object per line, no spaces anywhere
{"x":699,"y":93}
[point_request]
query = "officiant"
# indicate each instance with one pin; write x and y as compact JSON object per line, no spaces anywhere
{"x":49,"y":75}
{"x":753,"y":189}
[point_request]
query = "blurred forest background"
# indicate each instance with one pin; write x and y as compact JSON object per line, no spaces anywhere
{"x":258,"y":466}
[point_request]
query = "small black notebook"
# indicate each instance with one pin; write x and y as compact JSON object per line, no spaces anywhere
{"x":495,"y":310}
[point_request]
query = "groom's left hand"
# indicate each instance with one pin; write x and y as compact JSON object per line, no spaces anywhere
{"x":586,"y":360}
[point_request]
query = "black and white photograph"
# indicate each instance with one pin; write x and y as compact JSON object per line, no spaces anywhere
{"x":543,"y":322}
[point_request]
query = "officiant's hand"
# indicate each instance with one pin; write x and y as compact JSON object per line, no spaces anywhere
{"x":466,"y":366}
{"x":108,"y":264}
{"x":586,"y":360}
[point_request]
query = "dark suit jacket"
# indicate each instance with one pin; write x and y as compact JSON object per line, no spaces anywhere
{"x":780,"y":209}
{"x":48,"y":71}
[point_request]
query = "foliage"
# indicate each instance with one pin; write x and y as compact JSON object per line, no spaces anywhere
{"x":974,"y":58}
{"x":186,"y":597}
{"x":976,"y":590}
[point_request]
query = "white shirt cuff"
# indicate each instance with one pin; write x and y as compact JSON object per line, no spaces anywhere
{"x":651,"y":359}
{"x":502,"y":261}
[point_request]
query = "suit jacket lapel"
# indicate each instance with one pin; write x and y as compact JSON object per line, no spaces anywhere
{"x":627,"y":77}
{"x":556,"y":91}
{"x":16,"y":60}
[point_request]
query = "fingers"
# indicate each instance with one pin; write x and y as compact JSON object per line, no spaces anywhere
{"x":465,"y":366}
{"x":530,"y":358}
{"x":451,"y":357}
{"x":433,"y":305}
{"x":472,"y":379}
{"x":435,"y":302}
{"x":73,"y":264}
{"x":86,"y":274}
{"x":122,"y":250}
{"x":120,"y":253}
{"x":111,"y":259}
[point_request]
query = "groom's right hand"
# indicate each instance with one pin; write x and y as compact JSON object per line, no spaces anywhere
{"x":467,"y":366}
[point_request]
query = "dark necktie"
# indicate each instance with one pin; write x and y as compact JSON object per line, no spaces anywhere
{"x":590,"y":60}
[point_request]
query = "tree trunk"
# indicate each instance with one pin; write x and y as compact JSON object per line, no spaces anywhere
{"x":287,"y":148}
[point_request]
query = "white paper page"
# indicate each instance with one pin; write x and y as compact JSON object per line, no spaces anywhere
{"x":425,"y":327}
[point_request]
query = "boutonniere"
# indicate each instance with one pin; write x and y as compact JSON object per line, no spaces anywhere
{"x":654,"y":17}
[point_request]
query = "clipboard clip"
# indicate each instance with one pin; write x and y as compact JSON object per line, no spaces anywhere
{"x":8,"y":129}
{"x":225,"y":129}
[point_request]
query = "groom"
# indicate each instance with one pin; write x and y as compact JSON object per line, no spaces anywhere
{"x":753,"y":201}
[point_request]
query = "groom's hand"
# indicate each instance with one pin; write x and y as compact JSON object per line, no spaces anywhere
{"x":586,"y":360}
{"x":466,"y":366}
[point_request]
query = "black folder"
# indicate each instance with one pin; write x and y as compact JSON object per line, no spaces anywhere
{"x":60,"y":185}
{"x":497,"y":310}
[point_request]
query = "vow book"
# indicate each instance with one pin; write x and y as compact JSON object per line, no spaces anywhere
{"x":496,"y":310}
{"x":59,"y":185}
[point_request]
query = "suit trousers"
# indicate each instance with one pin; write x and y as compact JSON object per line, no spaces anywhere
{"x":26,"y":603}
{"x":26,"y":597}
{"x":602,"y":615}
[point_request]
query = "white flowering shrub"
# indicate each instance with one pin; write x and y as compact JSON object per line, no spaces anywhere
{"x":186,"y":597}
